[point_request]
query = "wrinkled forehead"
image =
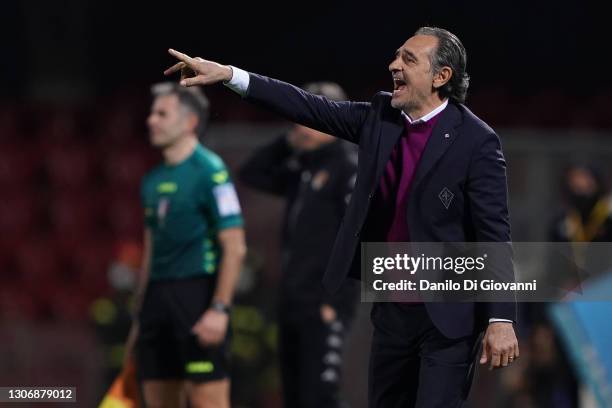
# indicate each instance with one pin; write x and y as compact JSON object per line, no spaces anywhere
{"x":422,"y":46}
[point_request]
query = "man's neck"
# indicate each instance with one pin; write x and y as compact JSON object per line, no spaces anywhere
{"x":425,"y":109}
{"x":179,"y":151}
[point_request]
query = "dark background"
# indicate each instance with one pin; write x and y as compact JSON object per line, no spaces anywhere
{"x":519,"y":52}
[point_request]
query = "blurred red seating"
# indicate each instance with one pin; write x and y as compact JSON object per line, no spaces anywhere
{"x":117,"y":127}
{"x":68,"y":302}
{"x":125,"y":168}
{"x":37,"y":261}
{"x":55,"y":125}
{"x":19,"y":164}
{"x":17,"y":304}
{"x":20,"y":215}
{"x":124,"y":215}
{"x":76,"y":215}
{"x":70,"y":167}
{"x":549,"y":108}
{"x":492,"y":104}
{"x":87,"y":260}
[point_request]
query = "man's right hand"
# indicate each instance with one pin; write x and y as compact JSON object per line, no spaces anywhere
{"x":198,"y":71}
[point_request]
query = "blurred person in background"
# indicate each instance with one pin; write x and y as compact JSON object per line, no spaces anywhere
{"x":193,"y":250}
{"x":546,"y":376}
{"x":255,"y":374}
{"x":429,"y":171}
{"x":316,"y":173}
{"x":587,"y":216}
{"x":111,"y":314}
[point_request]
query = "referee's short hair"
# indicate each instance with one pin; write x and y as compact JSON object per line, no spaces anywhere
{"x":191,"y":98}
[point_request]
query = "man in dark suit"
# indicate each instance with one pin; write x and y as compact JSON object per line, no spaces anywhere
{"x":316,"y":174}
{"x":429,"y":171}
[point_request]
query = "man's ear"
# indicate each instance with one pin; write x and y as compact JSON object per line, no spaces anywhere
{"x":442,"y":77}
{"x":192,"y":121}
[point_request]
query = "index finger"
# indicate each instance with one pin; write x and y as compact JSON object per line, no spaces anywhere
{"x":180,"y":56}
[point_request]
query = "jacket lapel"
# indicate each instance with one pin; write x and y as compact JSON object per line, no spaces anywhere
{"x":442,"y":136}
{"x":391,"y":129}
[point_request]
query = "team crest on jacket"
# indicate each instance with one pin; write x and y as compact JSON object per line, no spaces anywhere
{"x":446,"y":196}
{"x":319,"y":180}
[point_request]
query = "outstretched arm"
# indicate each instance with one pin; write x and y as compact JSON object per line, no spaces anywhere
{"x":341,"y":119}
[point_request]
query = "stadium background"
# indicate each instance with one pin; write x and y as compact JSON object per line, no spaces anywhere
{"x":74,"y":85}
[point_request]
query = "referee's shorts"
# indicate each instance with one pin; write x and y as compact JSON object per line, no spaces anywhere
{"x":166,"y":349}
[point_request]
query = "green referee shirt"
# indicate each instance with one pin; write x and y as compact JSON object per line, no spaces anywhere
{"x":185,"y":206}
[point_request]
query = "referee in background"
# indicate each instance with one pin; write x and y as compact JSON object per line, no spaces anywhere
{"x":193,"y":251}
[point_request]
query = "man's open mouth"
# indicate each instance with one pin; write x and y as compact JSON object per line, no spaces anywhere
{"x":399,"y":84}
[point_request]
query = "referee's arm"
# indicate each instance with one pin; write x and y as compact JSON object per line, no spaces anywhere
{"x":212,"y":326}
{"x":233,"y":249}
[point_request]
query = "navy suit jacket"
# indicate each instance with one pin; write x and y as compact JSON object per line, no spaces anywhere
{"x":462,"y":154}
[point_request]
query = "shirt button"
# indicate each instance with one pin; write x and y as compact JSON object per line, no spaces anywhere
{"x":357,"y":234}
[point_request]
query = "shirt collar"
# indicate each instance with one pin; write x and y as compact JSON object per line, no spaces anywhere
{"x":428,"y":116}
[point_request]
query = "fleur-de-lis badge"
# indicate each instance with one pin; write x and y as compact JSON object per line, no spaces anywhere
{"x":446,"y":196}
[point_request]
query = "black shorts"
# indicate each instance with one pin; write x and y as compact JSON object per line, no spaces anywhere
{"x":166,"y":349}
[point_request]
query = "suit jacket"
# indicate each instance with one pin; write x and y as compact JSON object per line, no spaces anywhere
{"x":463,"y":155}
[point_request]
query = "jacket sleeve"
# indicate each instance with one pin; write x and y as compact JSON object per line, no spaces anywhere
{"x":267,"y":168}
{"x":341,"y":119}
{"x":488,"y":198}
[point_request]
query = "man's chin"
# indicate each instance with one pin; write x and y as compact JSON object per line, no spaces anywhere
{"x":157,"y":143}
{"x":396,"y":103}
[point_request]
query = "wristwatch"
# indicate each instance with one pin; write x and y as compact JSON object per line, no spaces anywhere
{"x":220,"y":307}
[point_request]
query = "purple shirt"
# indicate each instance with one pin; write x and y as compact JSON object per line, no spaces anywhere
{"x":394,"y":185}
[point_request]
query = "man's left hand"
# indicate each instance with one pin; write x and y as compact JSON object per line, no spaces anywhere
{"x":499,"y":345}
{"x":211,"y":327}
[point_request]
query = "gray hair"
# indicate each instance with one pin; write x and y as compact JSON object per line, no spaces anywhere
{"x":451,"y":53}
{"x":330,"y":90}
{"x":192,"y":99}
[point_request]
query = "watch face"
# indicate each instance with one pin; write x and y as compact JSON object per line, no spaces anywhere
{"x":221,"y":307}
